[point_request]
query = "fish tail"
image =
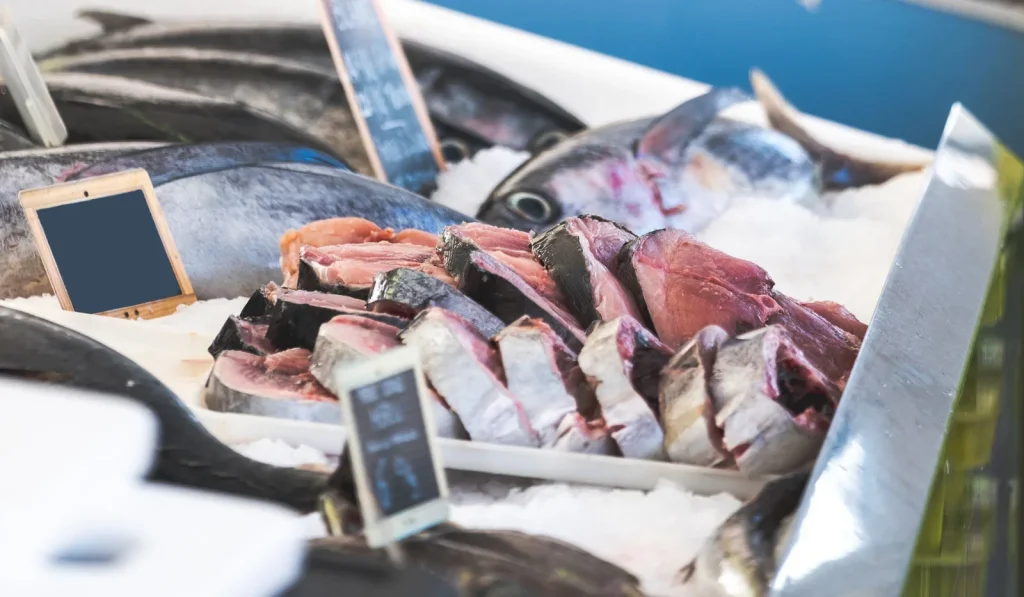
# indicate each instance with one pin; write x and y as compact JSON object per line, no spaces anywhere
{"x":837,"y":170}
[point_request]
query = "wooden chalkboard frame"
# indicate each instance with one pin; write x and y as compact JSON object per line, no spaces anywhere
{"x":99,"y":187}
{"x":408,"y":79}
{"x":383,"y":530}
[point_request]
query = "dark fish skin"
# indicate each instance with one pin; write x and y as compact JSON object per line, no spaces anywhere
{"x":744,"y":547}
{"x":170,"y":163}
{"x":471,"y":106}
{"x":13,"y":138}
{"x":238,"y":334}
{"x":227,"y":224}
{"x":306,"y":96}
{"x":309,"y":280}
{"x":296,"y":324}
{"x":98,"y":108}
{"x":188,"y":455}
{"x":408,"y":292}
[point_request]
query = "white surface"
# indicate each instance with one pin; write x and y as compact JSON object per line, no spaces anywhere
{"x":77,"y":490}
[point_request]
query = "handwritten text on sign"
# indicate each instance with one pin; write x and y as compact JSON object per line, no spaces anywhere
{"x":404,"y":143}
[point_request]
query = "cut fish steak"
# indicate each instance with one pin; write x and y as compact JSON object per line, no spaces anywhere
{"x":464,"y":368}
{"x":578,"y":435}
{"x":239,"y":334}
{"x":580,"y":255}
{"x":297,"y":316}
{"x":828,"y":347}
{"x":406,"y":292}
{"x":510,"y":247}
{"x":349,"y":339}
{"x":501,"y":291}
{"x":609,"y":359}
{"x":350,"y":269}
{"x":771,"y":404}
{"x":682,"y":285}
{"x":533,"y":357}
{"x":278,"y":385}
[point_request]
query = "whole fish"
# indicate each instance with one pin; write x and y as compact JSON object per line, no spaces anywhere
{"x":741,"y":557}
{"x":226,"y":224}
{"x":680,"y":170}
{"x":471,"y":106}
{"x":12,"y":138}
{"x":306,"y":96}
{"x":187,"y":454}
{"x":98,"y":108}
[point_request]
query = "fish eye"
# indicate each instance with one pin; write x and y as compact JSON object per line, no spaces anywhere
{"x":531,"y":206}
{"x":547,"y":140}
{"x":453,"y":150}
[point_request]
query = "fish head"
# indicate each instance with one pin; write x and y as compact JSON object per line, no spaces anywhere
{"x":575,"y":177}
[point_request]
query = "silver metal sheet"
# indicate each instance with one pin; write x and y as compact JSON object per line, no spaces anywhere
{"x":856,"y":528}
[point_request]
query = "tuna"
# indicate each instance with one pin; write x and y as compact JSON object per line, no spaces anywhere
{"x":350,"y":269}
{"x":609,"y":359}
{"x":261,"y":304}
{"x":772,"y":405}
{"x":838,"y":316}
{"x":297,"y":317}
{"x":406,"y":292}
{"x":349,"y":339}
{"x":829,"y":348}
{"x":466,"y":371}
{"x":278,"y":385}
{"x":533,"y":358}
{"x":580,"y":255}
{"x":501,"y":291}
{"x":242,"y":335}
{"x":576,"y":434}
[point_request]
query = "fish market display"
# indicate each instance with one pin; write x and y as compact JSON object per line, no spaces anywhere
{"x":308,"y":97}
{"x":680,"y":170}
{"x":689,"y":355}
{"x":470,"y":105}
{"x":98,"y":108}
{"x":741,"y":557}
{"x":226,"y":223}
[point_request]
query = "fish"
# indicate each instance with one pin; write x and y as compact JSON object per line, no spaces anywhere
{"x":296,"y":317}
{"x":581,"y":254}
{"x":741,"y":557}
{"x":617,"y":357}
{"x":98,"y":108}
{"x":242,"y":335}
{"x":350,"y":269}
{"x":471,"y":106}
{"x":277,"y":385}
{"x":679,"y":170}
{"x":407,"y":292}
{"x":13,"y":138}
{"x":187,"y":454}
{"x":308,"y":97}
{"x":461,"y":365}
{"x":227,"y":224}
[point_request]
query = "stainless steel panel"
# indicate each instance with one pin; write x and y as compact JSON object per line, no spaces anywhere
{"x":856,"y":529}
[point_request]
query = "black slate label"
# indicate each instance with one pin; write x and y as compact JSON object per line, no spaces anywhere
{"x":393,"y":441}
{"x":385,"y":103}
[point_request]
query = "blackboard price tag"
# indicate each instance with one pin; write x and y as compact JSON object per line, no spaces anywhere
{"x":385,"y":98}
{"x":106,"y":246}
{"x":400,"y":481}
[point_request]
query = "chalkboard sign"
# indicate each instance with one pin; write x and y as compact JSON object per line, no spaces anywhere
{"x":385,"y":99}
{"x":106,"y":247}
{"x":401,"y":484}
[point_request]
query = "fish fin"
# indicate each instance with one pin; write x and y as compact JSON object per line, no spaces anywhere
{"x":838,"y":170}
{"x":666,"y":137}
{"x":111,"y":21}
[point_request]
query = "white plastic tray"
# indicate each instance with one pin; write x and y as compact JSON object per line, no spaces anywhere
{"x":598,"y":88}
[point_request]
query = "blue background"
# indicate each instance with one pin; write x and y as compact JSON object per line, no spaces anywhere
{"x":880,"y":65}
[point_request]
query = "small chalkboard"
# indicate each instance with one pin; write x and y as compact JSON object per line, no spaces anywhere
{"x":385,"y":98}
{"x":106,"y":247}
{"x":400,"y":481}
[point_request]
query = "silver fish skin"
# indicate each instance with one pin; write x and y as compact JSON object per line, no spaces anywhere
{"x":680,"y":170}
{"x":21,"y":271}
{"x":772,"y":406}
{"x":687,"y":408}
{"x":461,"y":365}
{"x":634,"y":425}
{"x":306,"y":96}
{"x":227,"y":224}
{"x":13,"y":138}
{"x":741,"y":556}
{"x":530,"y":351}
{"x":471,"y":106}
